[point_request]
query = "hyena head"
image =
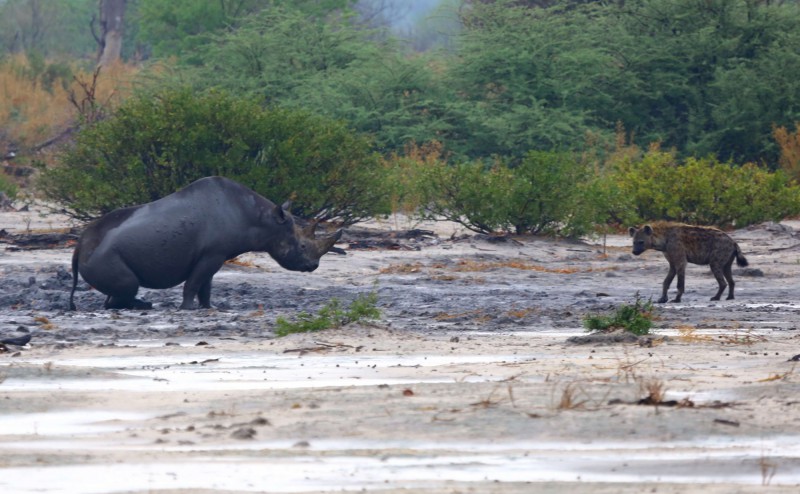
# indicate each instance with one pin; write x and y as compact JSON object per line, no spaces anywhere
{"x":642,"y":238}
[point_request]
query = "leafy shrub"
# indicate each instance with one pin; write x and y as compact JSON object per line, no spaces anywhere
{"x":332,"y":315}
{"x":407,"y":175}
{"x":8,"y":187}
{"x":702,"y":191}
{"x":636,"y":318}
{"x":546,"y":193}
{"x":552,"y":194}
{"x":789,"y":144}
{"x":156,"y":144}
{"x":469,"y":194}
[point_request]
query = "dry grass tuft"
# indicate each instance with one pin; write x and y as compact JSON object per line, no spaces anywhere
{"x":768,"y":469}
{"x":688,"y":334}
{"x":474,"y":266}
{"x":569,"y":397}
{"x":44,"y":323}
{"x":31,"y":114}
{"x":747,"y":338}
{"x":519,"y":313}
{"x":473,"y":315}
{"x":626,"y":371}
{"x":653,"y":390}
{"x":237,"y":261}
{"x":471,"y":266}
{"x":781,"y":376}
{"x":407,"y":268}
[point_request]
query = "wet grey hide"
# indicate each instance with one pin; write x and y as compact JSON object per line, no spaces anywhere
{"x":186,"y":237}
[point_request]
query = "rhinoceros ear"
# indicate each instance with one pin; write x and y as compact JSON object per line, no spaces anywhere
{"x":309,"y":229}
{"x":282,"y":212}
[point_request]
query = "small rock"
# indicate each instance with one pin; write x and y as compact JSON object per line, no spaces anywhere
{"x":751,"y":272}
{"x":244,"y":433}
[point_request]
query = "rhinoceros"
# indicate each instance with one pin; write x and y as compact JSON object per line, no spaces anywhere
{"x":186,"y":237}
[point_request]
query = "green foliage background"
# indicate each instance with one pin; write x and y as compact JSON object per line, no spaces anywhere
{"x":158,"y":143}
{"x":546,"y":193}
{"x":701,"y":191}
{"x":525,"y":102}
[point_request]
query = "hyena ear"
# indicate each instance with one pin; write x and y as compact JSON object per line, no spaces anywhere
{"x":648,"y":230}
{"x":632,"y":230}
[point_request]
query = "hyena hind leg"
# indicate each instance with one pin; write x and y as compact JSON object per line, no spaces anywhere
{"x":729,"y":277}
{"x":721,"y":277}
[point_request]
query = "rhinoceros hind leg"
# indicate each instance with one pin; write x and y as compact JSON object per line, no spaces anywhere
{"x":127,"y":303}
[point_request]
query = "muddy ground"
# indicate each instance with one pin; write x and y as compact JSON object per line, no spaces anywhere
{"x":478,"y":377}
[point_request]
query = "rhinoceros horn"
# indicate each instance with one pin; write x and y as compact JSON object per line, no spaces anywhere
{"x":322,"y":244}
{"x":325,"y":244}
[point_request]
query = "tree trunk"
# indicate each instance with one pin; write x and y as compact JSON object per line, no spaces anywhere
{"x":112,"y":13}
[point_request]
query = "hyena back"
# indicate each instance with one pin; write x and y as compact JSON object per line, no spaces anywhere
{"x":695,"y":244}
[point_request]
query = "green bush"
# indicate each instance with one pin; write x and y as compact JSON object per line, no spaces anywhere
{"x":636,"y":318}
{"x":469,"y":194}
{"x":553,"y":194}
{"x":332,"y":315}
{"x":156,"y":144}
{"x":8,"y":187}
{"x":546,"y":193}
{"x":701,"y":191}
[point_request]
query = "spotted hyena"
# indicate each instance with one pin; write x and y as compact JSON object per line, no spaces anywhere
{"x":696,"y":244}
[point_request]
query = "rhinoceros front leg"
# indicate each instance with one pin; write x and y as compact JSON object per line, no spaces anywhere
{"x":199,"y":282}
{"x":204,"y":295}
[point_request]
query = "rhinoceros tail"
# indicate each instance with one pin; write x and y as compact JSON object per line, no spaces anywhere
{"x":741,"y":261}
{"x":75,"y":256}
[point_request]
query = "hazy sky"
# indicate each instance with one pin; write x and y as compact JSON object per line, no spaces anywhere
{"x":412,"y":10}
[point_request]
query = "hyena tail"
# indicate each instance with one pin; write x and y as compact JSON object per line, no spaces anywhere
{"x":741,"y":261}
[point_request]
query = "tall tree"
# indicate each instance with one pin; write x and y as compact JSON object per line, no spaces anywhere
{"x":179,"y":27}
{"x":112,"y":15}
{"x":47,"y":28}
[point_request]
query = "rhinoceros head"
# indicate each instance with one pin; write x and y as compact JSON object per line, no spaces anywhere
{"x":302,"y":248}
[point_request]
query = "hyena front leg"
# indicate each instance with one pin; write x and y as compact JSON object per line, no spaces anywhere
{"x":680,"y":268}
{"x":667,"y":283}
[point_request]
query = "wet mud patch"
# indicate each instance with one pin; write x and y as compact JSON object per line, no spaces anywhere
{"x":472,"y":373}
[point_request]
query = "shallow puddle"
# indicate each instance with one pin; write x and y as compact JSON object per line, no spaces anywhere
{"x":351,"y":465}
{"x":65,"y":423}
{"x":207,"y":372}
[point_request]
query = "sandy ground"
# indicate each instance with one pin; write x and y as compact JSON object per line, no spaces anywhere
{"x":471,"y":381}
